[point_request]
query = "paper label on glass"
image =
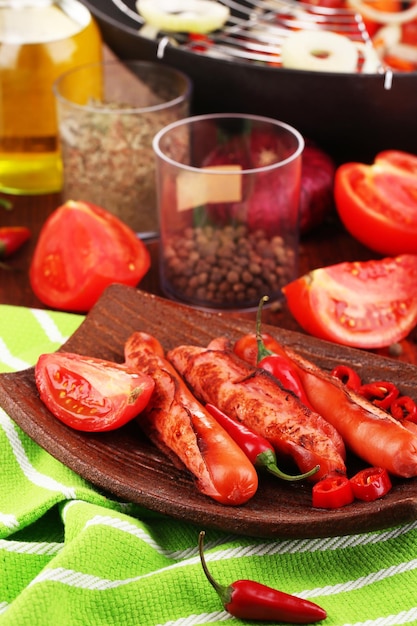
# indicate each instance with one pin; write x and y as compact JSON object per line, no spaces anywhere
{"x":205,"y":187}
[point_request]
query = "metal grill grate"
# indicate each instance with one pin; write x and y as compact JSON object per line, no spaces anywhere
{"x":256,"y":30}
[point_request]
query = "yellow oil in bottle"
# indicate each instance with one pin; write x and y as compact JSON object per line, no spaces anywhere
{"x":39,"y":41}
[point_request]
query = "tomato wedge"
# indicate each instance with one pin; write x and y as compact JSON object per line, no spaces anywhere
{"x":377,"y":203}
{"x":368,"y":304}
{"x":80,"y":251}
{"x":91,"y":394}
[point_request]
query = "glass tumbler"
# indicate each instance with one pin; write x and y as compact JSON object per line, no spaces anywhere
{"x":228,"y":199}
{"x":106,"y":134}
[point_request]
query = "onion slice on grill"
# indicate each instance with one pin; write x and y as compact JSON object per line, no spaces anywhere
{"x":319,"y":51}
{"x":187,"y":16}
{"x":384,"y":17}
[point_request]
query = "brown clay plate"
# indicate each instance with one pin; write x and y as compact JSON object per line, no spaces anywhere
{"x":126,"y":465}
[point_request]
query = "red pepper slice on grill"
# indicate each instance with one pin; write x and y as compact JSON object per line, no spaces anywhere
{"x":12,"y":238}
{"x":250,"y":600}
{"x":332,"y":492}
{"x":371,"y":483}
{"x":404,"y":407}
{"x":382,"y":393}
{"x":348,"y":376}
{"x":258,"y":449}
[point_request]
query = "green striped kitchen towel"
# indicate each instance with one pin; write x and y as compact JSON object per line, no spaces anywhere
{"x":71,"y":557}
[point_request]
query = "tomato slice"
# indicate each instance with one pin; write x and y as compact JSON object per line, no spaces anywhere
{"x":368,"y":304}
{"x":80,"y":251}
{"x":378,"y":203}
{"x":91,"y":394}
{"x":332,"y":492}
{"x":371,"y":483}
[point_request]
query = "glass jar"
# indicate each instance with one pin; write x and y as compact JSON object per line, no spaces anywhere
{"x":39,"y":41}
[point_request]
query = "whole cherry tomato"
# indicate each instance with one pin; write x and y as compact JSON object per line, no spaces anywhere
{"x":80,"y":251}
{"x":378,"y":203}
{"x":368,"y":304}
{"x":91,"y":394}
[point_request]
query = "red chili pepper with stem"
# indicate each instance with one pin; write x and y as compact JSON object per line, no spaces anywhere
{"x":258,"y":449}
{"x":12,"y":238}
{"x":277,"y":364}
{"x":347,"y":376}
{"x":248,"y":599}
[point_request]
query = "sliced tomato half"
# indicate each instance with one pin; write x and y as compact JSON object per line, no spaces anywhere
{"x":91,"y":394}
{"x":81,"y":250}
{"x":368,"y":304}
{"x":378,"y":203}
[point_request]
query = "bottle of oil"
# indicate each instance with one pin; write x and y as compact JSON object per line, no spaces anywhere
{"x":39,"y":41}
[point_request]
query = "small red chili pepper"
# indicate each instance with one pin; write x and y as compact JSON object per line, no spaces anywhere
{"x":282,"y":369}
{"x":381,"y":393}
{"x":347,"y":376}
{"x":332,"y":492}
{"x":404,"y":407}
{"x":199,"y":41}
{"x":248,"y":599}
{"x":12,"y":238}
{"x":279,"y":365}
{"x":371,"y":483}
{"x":258,"y":449}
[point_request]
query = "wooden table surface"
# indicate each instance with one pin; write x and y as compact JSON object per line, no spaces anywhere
{"x":328,"y":244}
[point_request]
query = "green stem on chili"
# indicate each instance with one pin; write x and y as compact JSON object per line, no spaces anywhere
{"x":258,"y":449}
{"x":262,"y":349}
{"x":6,"y":204}
{"x":250,"y":600}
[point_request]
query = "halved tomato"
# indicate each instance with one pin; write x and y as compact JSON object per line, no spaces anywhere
{"x":91,"y":394}
{"x":82,"y":249}
{"x":368,"y":304}
{"x":378,"y":203}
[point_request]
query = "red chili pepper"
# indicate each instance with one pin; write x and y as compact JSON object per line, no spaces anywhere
{"x":381,"y":393}
{"x":371,"y":483}
{"x":347,"y":376}
{"x":199,"y":41}
{"x":282,"y":369}
{"x":404,"y":407}
{"x":279,"y":365}
{"x":248,"y":599}
{"x":258,"y":449}
{"x":332,"y":492}
{"x":11,"y":238}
